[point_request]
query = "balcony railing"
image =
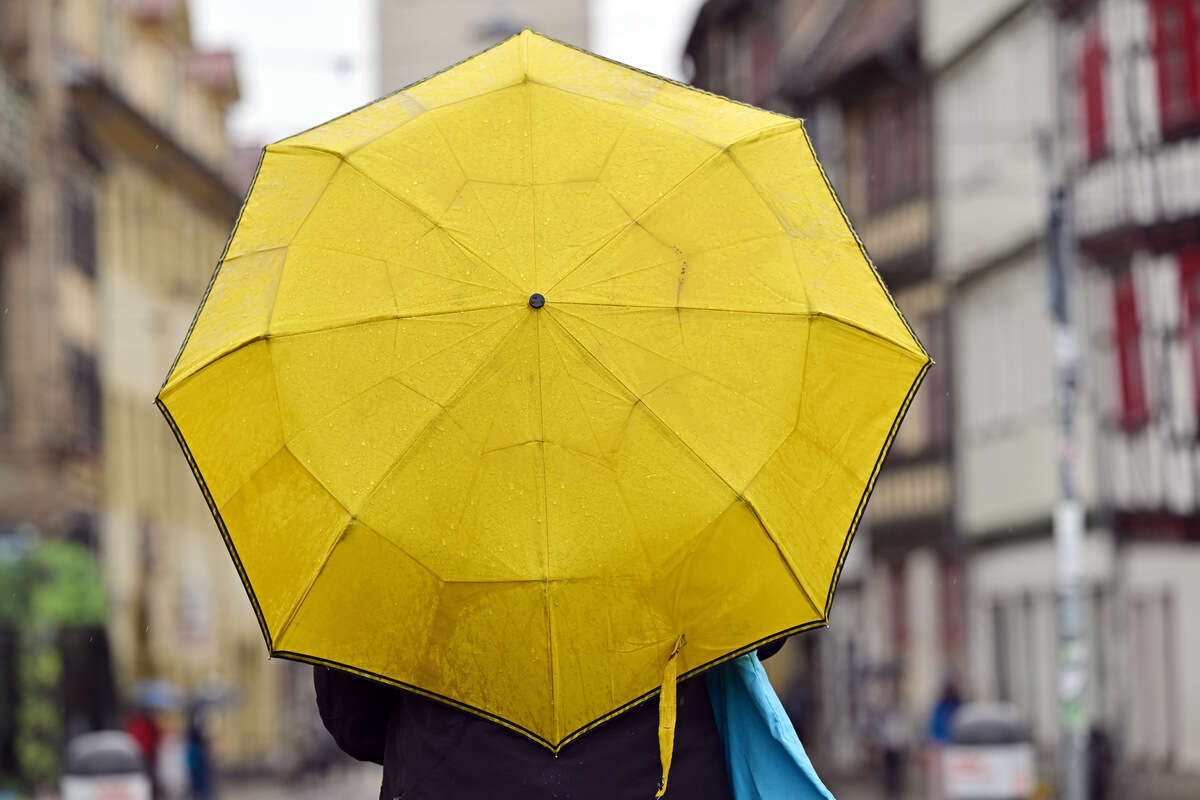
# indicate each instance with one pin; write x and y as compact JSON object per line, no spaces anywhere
{"x":1138,"y":191}
{"x":14,"y":116}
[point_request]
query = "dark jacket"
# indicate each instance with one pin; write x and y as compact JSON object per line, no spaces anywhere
{"x":430,"y":750}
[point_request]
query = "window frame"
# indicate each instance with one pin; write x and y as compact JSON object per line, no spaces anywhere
{"x":1179,"y":38}
{"x":1127,"y":341}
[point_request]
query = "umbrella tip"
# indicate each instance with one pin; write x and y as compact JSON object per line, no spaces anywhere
{"x":536,"y":300}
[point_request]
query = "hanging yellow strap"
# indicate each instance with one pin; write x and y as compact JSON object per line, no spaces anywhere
{"x":666,"y":715}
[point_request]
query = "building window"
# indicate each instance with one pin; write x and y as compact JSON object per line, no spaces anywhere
{"x":898,"y":591}
{"x":936,"y":387}
{"x":895,"y":148}
{"x":1178,"y":64}
{"x":1189,"y":318}
{"x":1128,"y":343}
{"x":1091,"y":84}
{"x":81,"y":229}
{"x":85,"y":393}
{"x":762,"y":62}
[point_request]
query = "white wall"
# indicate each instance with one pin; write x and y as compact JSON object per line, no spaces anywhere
{"x":1163,"y":651}
{"x":1009,"y":574}
{"x":420,"y":37}
{"x":1004,"y":428}
{"x":990,"y":179}
{"x":949,"y":25}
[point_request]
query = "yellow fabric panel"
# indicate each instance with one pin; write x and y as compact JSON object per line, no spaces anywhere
{"x":359,"y":128}
{"x":315,"y":373}
{"x":756,"y":274}
{"x":554,"y":64}
{"x":355,"y":444}
{"x":414,"y":162}
{"x":571,"y":221}
{"x":356,"y":215}
{"x":489,"y":135}
{"x":393,"y":634}
{"x":572,"y":135}
{"x":288,"y":184}
{"x":649,"y":160}
{"x":437,"y":273}
{"x":282,"y":522}
{"x":840,"y":283}
{"x":719,"y":615}
{"x":322,"y":288}
{"x":229,"y":415}
{"x":811,"y":490}
{"x":704,"y":116}
{"x":490,"y":71}
{"x":727,"y":384}
{"x":471,"y":614}
{"x":713,"y":206}
{"x":438,"y":354}
{"x":233,"y":313}
{"x":472,"y":476}
{"x":494,"y":223}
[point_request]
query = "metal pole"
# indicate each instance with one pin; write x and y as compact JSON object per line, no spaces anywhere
{"x":1068,"y":514}
{"x":1068,"y":522}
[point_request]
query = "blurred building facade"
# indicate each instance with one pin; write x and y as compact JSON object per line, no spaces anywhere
{"x":417,"y":38}
{"x":994,"y":127}
{"x":1130,"y":79}
{"x":939,"y":123}
{"x":853,"y":72}
{"x":113,"y":212}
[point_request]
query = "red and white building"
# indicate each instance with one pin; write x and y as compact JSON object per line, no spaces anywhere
{"x":1131,"y":88}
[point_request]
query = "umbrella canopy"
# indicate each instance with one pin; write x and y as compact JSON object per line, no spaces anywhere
{"x":514,"y":384}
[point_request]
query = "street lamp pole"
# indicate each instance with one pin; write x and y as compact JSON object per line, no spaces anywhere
{"x":1068,"y":513}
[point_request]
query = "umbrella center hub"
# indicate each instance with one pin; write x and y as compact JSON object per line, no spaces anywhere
{"x":536,"y":300}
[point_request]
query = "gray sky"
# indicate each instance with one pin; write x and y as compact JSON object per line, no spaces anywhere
{"x":302,"y":62}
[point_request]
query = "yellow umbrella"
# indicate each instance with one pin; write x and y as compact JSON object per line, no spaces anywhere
{"x":537,"y":381}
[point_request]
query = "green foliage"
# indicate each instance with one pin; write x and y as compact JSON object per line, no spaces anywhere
{"x":68,"y":588}
{"x":54,"y":585}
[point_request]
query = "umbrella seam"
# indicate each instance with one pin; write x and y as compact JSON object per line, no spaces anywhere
{"x":410,"y":205}
{"x":677,"y":257}
{"x":651,"y":411}
{"x":554,"y":674}
{"x":805,"y":589}
{"x":391,"y":377}
{"x":869,"y":489}
{"x":799,"y":314}
{"x":299,"y":228}
{"x":192,"y":370}
{"x":287,"y":622}
{"x":671,"y":360}
{"x":444,"y":409}
{"x":668,"y":194}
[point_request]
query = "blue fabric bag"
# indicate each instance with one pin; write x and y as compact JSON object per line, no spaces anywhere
{"x":763,"y":754}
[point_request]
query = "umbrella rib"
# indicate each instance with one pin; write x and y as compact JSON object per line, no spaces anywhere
{"x":410,"y":205}
{"x":810,"y":314}
{"x":554,"y":687}
{"x":443,"y":408}
{"x":654,"y":415}
{"x":671,"y":192}
{"x":677,"y":257}
{"x":340,"y":326}
{"x":682,"y":366}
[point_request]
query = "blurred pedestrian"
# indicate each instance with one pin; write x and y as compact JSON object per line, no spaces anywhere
{"x":432,"y":750}
{"x":142,"y":725}
{"x":199,"y":758}
{"x":941,"y":720}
